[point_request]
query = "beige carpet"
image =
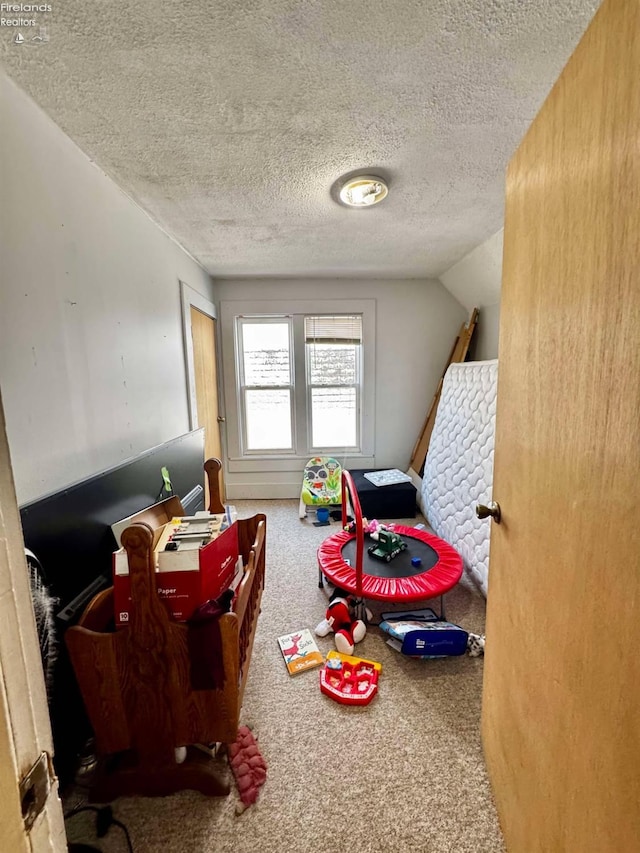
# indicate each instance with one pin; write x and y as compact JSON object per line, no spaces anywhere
{"x":404,"y":773}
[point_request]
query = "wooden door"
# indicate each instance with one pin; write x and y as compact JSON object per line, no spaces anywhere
{"x":203,"y":335}
{"x":561,"y":710}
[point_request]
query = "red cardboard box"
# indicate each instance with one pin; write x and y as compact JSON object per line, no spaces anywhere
{"x":185,"y":579}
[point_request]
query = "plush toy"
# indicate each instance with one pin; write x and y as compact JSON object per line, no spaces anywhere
{"x":339,"y":618}
{"x":475,"y":645}
{"x":370,"y":528}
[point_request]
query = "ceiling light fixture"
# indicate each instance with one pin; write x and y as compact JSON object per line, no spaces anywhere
{"x":363,"y":191}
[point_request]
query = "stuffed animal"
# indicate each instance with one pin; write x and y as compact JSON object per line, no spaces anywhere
{"x":339,"y":618}
{"x":370,"y":528}
{"x":475,"y":645}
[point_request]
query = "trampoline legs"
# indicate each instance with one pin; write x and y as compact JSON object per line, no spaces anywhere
{"x":360,"y":611}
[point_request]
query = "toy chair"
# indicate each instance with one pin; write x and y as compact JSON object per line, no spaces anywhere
{"x":321,"y":484}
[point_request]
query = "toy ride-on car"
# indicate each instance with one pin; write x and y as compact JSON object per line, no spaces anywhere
{"x":388,"y":546}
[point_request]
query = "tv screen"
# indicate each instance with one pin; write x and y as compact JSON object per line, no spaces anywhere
{"x":69,"y":531}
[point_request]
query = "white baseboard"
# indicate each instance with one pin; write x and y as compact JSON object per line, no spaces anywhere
{"x":262,"y":491}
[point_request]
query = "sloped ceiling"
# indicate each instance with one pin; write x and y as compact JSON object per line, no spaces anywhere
{"x":476,"y":279}
{"x":230,"y":122}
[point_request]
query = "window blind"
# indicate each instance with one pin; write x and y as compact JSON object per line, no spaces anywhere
{"x":341,"y":329}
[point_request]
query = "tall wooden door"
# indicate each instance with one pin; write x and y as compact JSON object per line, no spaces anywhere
{"x":203,"y":335}
{"x":561,"y":710}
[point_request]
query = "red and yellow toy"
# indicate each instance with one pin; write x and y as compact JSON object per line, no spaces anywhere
{"x":349,"y":680}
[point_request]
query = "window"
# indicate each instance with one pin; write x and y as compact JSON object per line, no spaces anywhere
{"x":333,"y":373}
{"x":266,"y":383}
{"x":299,"y":383}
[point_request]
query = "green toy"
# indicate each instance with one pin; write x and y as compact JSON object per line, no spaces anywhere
{"x":388,"y":546}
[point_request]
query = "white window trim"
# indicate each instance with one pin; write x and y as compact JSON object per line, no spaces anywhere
{"x":229,"y":310}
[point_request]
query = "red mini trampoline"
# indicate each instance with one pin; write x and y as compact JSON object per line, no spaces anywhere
{"x":343,"y":560}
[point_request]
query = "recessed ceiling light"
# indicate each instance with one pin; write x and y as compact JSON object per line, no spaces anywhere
{"x":363,"y":191}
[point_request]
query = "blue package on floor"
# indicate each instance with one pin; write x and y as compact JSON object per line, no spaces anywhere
{"x":421,"y":634}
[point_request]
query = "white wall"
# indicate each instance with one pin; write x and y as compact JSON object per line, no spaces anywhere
{"x":485,"y":340}
{"x":476,"y":281}
{"x":92,"y":369}
{"x":416,"y":325}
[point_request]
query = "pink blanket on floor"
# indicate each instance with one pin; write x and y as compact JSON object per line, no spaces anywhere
{"x":247,"y":765}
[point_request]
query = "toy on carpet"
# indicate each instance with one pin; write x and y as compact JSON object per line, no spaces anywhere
{"x":340,"y":618}
{"x":416,"y":636}
{"x":475,"y":645}
{"x":421,"y":634}
{"x":248,"y":767}
{"x":349,"y":680}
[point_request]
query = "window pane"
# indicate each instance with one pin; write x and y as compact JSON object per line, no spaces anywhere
{"x":332,"y":364}
{"x":268,"y":419}
{"x":333,"y":417}
{"x":266,"y":353}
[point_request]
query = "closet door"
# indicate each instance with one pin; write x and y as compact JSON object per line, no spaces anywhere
{"x":199,"y":330}
{"x":561,"y":710}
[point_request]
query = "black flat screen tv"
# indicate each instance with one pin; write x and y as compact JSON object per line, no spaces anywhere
{"x":69,"y":530}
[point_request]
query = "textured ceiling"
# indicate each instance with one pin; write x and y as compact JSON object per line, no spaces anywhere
{"x":230,"y":121}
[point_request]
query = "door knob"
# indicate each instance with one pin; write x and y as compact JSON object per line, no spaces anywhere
{"x":492,"y":509}
{"x":221,"y":420}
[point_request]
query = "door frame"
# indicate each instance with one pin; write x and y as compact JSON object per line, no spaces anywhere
{"x":25,"y":727}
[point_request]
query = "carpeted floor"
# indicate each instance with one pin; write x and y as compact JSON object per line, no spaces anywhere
{"x":405,"y":773}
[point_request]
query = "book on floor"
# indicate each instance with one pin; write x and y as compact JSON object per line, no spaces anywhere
{"x":300,"y":651}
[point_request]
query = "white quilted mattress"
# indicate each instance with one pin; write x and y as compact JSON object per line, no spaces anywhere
{"x":458,"y":471}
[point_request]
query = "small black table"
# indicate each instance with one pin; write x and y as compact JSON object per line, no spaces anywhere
{"x":397,"y":501}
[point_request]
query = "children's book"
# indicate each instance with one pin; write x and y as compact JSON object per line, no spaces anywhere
{"x":300,"y":651}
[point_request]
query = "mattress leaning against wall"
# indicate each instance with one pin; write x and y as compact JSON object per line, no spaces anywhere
{"x":458,"y":470}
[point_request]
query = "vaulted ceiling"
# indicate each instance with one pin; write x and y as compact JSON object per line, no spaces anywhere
{"x":230,"y":122}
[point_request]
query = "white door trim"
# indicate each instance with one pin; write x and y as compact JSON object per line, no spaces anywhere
{"x":25,"y":729}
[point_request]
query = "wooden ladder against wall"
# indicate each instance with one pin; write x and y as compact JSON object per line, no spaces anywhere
{"x":458,"y":353}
